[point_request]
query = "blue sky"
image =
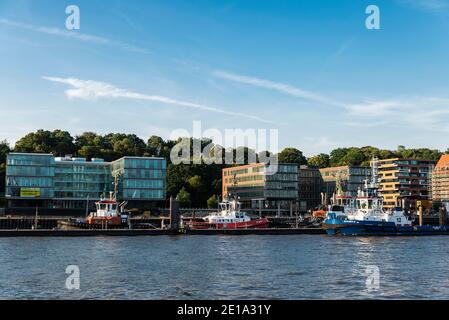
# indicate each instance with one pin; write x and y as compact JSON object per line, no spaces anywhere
{"x":307,"y":68}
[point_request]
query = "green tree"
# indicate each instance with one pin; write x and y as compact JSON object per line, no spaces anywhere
{"x":177,"y":177}
{"x":198,"y":190}
{"x":90,"y":152}
{"x":354,"y":157}
{"x":4,"y":150}
{"x":57,"y":142}
{"x":321,"y":160}
{"x":155,"y":146}
{"x":291,"y":155}
{"x":91,"y":139}
{"x":212,"y":202}
{"x":184,"y":198}
{"x":387,"y":154}
{"x":126,"y":144}
{"x":336,"y":157}
{"x":62,"y":143}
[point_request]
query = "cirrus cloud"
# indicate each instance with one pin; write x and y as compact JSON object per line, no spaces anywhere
{"x":91,"y":90}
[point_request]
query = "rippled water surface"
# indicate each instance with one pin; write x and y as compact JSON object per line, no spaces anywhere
{"x":225,"y":267}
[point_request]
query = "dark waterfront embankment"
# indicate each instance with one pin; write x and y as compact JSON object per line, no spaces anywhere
{"x":87,"y":233}
{"x":154,"y":232}
{"x":268,"y":231}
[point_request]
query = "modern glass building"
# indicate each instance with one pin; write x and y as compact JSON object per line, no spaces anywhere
{"x":310,"y":186}
{"x":350,"y":178}
{"x":30,"y":177}
{"x":254,"y":186}
{"x":77,"y":180}
{"x":74,"y":183}
{"x":140,"y":178}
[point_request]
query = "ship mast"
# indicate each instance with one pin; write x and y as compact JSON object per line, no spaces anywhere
{"x":116,"y":174}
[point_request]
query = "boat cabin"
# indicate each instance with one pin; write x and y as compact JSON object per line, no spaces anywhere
{"x":367,"y":203}
{"x":106,"y":208}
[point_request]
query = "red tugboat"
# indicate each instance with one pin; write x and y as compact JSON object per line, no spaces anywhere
{"x":229,"y":217}
{"x":107,"y":213}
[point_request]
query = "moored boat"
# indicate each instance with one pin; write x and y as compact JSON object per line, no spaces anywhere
{"x":109,"y":214}
{"x":229,"y":217}
{"x":366,"y":215}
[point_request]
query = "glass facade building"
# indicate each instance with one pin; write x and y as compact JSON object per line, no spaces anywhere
{"x":140,"y":178}
{"x":77,"y":180}
{"x":251,"y":184}
{"x":66,"y":182}
{"x":351,"y":178}
{"x":30,"y":176}
{"x":310,"y":186}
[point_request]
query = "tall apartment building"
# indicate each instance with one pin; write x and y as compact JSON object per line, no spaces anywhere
{"x":352,"y":179}
{"x":69,"y":183}
{"x":440,"y":180}
{"x":252,"y":185}
{"x":310,"y":186}
{"x":403,"y":182}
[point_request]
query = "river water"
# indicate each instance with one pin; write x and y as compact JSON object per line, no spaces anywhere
{"x":226,"y":267}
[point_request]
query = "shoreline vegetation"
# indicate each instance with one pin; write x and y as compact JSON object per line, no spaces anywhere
{"x":197,"y":185}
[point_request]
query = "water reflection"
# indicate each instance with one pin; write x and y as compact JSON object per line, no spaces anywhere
{"x":225,"y":267}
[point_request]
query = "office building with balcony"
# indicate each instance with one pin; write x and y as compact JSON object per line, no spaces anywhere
{"x":403,"y":182}
{"x":254,"y":186}
{"x":60,"y":183}
{"x":350,"y":178}
{"x":440,"y":180}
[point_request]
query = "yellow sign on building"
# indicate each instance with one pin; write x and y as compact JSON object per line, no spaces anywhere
{"x":30,"y":192}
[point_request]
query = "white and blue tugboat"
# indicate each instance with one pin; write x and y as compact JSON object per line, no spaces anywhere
{"x":366,"y":216}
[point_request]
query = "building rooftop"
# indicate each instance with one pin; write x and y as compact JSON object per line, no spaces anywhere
{"x":443,"y":162}
{"x":81,"y":159}
{"x":35,"y":154}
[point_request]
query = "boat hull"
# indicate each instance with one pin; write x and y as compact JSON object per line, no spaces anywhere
{"x":376,"y":228}
{"x":261,"y":223}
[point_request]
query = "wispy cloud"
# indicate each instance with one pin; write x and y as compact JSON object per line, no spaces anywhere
{"x":419,"y":111}
{"x":376,"y":108}
{"x":276,"y":86}
{"x":91,"y":90}
{"x":430,"y":5}
{"x":72,"y":35}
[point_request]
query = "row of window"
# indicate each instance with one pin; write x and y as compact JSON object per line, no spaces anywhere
{"x":143,"y":194}
{"x":144,"y":174}
{"x":281,"y":185}
{"x":30,"y":171}
{"x":282,"y":177}
{"x":257,"y":177}
{"x":29,"y":160}
{"x":90,"y":169}
{"x":79,"y":194}
{"x":131,"y":163}
{"x":143,"y":184}
{"x":292,"y":194}
{"x":83,"y":186}
{"x":29,"y":181}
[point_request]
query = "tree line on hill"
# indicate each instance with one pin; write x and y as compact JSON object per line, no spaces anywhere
{"x":195,"y":185}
